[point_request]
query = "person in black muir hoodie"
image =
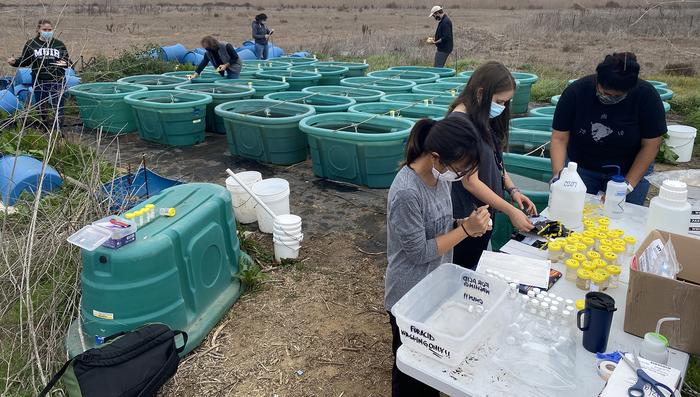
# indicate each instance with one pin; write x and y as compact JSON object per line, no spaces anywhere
{"x":443,"y":36}
{"x":48,"y":58}
{"x":222,"y":56}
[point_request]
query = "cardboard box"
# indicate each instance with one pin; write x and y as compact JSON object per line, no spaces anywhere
{"x":651,"y":297}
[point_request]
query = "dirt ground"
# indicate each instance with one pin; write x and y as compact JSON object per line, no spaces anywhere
{"x":554,"y":38}
{"x":317,"y":328}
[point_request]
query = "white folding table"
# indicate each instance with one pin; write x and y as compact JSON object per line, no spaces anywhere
{"x":479,"y":376}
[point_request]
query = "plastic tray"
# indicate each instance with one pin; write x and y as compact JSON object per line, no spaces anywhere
{"x":450,"y":312}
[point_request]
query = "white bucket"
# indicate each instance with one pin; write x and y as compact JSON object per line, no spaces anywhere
{"x":275,"y":193}
{"x":286,"y":251}
{"x":243,"y":204}
{"x":681,"y":139}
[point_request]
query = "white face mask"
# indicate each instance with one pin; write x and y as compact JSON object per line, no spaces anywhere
{"x":447,"y":176}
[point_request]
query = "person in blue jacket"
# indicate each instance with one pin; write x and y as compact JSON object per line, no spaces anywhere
{"x":261,"y":35}
{"x":222,"y":56}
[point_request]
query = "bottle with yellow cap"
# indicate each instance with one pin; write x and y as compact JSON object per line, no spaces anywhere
{"x":611,"y":258}
{"x":169,"y":212}
{"x":151,"y":212}
{"x":630,"y":244}
{"x":600,"y":263}
{"x":598,"y":238}
{"x":555,"y":249}
{"x":581,"y":247}
{"x":592,"y":255}
{"x":617,"y":233}
{"x":604,"y":249}
{"x":589,"y":242}
{"x":579,"y":257}
{"x":614,"y":272}
{"x":619,"y":250}
{"x":572,"y":240}
{"x":605,"y":273}
{"x":139,"y":217}
{"x":603,"y":229}
{"x":569,"y":251}
{"x":603,"y":221}
{"x":583,"y":279}
{"x":572,"y":266}
{"x":598,"y":281}
{"x":588,"y":224}
{"x":580,"y":304}
{"x":588,"y":265}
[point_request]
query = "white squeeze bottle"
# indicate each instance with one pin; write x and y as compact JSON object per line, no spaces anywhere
{"x":670,"y":210}
{"x":615,"y":194}
{"x":567,"y":198}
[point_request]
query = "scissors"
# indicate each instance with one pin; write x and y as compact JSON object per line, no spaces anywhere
{"x":643,"y":379}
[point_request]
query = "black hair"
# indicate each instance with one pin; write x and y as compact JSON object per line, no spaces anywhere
{"x":492,"y":78}
{"x":209,"y":42}
{"x":261,"y":17}
{"x":619,"y":71}
{"x":452,"y":138}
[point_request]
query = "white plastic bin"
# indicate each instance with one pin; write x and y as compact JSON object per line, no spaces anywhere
{"x":681,"y":139}
{"x":275,"y":193}
{"x":243,"y":204}
{"x":450,"y":312}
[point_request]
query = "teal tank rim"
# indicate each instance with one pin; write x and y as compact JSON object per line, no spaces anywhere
{"x":442,"y":72}
{"x":290,"y":75}
{"x":173,"y":80}
{"x":430,"y":111}
{"x":306,"y":126}
{"x":140,"y":99}
{"x":525,"y":78}
{"x":208,"y":89}
{"x":324,"y":71}
{"x":260,"y":82}
{"x":267,"y":64}
{"x":295,"y":95}
{"x":349,"y":65}
{"x":224,"y":110}
{"x":328,"y":90}
{"x":84,"y":90}
{"x":419,"y":77}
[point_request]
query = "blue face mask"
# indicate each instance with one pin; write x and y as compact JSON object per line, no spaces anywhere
{"x":46,"y":35}
{"x":496,"y":110}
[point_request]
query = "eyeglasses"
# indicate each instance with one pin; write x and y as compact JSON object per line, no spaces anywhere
{"x":460,"y":174}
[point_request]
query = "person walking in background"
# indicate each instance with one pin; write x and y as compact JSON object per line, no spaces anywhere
{"x":222,"y":56}
{"x":261,"y":35}
{"x":421,"y":230}
{"x":610,"y":118}
{"x":48,"y":58}
{"x":443,"y":36}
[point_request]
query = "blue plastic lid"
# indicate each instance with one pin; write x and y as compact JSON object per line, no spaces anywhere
{"x":618,"y":178}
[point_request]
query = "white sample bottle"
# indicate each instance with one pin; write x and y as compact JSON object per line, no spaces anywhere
{"x":567,"y":198}
{"x":615,"y":194}
{"x":670,"y":210}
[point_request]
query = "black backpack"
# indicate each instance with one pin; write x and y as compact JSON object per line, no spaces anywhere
{"x":135,"y":363}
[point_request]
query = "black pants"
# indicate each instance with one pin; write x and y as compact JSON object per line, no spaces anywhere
{"x":440,"y":59}
{"x":468,"y":252}
{"x":403,"y":385}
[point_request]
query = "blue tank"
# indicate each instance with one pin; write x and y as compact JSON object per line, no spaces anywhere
{"x":70,"y":72}
{"x":192,"y":58}
{"x":24,"y":93}
{"x":9,"y":103}
{"x":200,"y":50}
{"x":23,"y":76}
{"x":276,"y":52}
{"x":245,"y":54}
{"x":24,"y":175}
{"x":174,"y":52}
{"x":301,"y":54}
{"x":72,"y":81}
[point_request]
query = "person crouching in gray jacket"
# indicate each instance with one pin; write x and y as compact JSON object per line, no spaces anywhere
{"x":222,"y":56}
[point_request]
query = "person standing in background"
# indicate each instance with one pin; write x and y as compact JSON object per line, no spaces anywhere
{"x":222,"y":56}
{"x":261,"y":35}
{"x":443,"y":36}
{"x":48,"y":58}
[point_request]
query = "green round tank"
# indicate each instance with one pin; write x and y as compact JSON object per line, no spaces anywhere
{"x":330,"y":75}
{"x":220,"y":93}
{"x":355,"y":69}
{"x":170,"y":117}
{"x":443,"y":72}
{"x":320,"y":102}
{"x":266,"y":64}
{"x":521,"y":98}
{"x":444,"y":89}
{"x":205,"y":77}
{"x":415,"y":76}
{"x":262,"y":87}
{"x":528,"y":133}
{"x":659,"y":84}
{"x":364,"y":149}
{"x":265,"y":130}
{"x":297,"y":80}
{"x":155,"y":81}
{"x":102,"y":106}
{"x":466,"y":73}
{"x":664,"y":93}
{"x":386,"y":85}
{"x":424,"y":99}
{"x":360,"y":95}
{"x":411,"y":112}
{"x":545,"y":111}
{"x":295,"y":61}
{"x":457,"y":79}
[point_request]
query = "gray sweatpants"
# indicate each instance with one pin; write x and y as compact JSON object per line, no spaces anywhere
{"x":441,"y":58}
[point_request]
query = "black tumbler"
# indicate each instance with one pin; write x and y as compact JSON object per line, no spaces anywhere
{"x":597,"y":319}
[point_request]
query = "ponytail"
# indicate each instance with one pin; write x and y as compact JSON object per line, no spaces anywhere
{"x":452,"y":138}
{"x":416,"y":141}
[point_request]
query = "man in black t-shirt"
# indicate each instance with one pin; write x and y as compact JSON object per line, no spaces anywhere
{"x":612,"y":118}
{"x":443,"y":36}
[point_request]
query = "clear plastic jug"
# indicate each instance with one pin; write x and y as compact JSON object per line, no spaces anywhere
{"x":670,"y":210}
{"x":567,"y":198}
